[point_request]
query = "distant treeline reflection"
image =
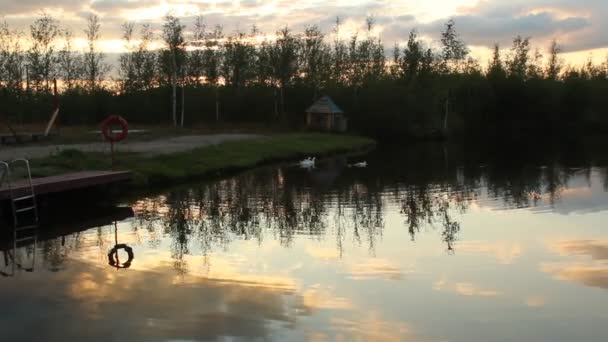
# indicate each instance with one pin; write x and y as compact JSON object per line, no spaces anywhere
{"x":336,"y":201}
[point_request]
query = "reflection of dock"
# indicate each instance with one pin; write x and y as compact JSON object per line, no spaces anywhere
{"x":67,"y":182}
{"x":64,"y":224}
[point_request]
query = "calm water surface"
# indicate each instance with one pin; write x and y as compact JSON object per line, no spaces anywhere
{"x":427,"y":244}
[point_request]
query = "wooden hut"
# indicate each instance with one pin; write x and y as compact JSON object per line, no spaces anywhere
{"x":325,"y":115}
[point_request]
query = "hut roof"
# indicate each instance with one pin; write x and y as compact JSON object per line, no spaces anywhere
{"x":325,"y":105}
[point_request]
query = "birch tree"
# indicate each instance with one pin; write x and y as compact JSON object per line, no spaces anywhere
{"x":315,"y":59}
{"x":212,"y":63}
{"x":284,"y":58}
{"x":196,"y":58}
{"x":41,"y":55}
{"x":555,"y":65}
{"x":174,"y":56}
{"x":520,"y":57}
{"x":94,"y":67}
{"x":454,"y":51}
{"x":69,"y":62}
{"x":12,"y":58}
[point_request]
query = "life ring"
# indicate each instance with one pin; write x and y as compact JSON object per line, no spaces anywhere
{"x":106,"y":129}
{"x":113,"y":256}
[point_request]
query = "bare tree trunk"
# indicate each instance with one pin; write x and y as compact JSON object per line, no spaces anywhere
{"x":174,"y":89}
{"x":282,"y":102}
{"x":27,"y":78}
{"x":276,"y":102}
{"x":174,"y":101}
{"x":183,"y":98}
{"x":217,"y":104}
{"x":183,"y":105}
{"x":447,"y":113}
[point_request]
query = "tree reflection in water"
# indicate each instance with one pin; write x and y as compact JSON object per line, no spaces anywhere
{"x":336,"y":201}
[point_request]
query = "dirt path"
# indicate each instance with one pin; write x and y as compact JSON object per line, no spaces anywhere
{"x":153,"y":147}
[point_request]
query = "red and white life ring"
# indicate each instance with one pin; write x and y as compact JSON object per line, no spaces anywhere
{"x":106,"y":128}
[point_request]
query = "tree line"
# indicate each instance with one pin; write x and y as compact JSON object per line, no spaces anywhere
{"x":202,"y":74}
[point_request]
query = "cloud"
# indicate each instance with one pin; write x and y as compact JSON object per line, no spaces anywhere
{"x":577,"y":26}
{"x":485,"y":31}
{"x":597,"y":250}
{"x":32,"y":7}
{"x":535,"y":301}
{"x":319,"y":297}
{"x":113,"y":5}
{"x":145,"y":305}
{"x":588,"y":275}
{"x":592,"y":272}
{"x":375,"y":269}
{"x":370,"y":328}
{"x":504,"y":252}
{"x":464,"y":289}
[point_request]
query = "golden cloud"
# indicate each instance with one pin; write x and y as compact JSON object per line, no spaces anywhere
{"x":504,"y":252}
{"x":371,"y":328}
{"x":463,"y":289}
{"x":596,"y":249}
{"x":323,"y":254}
{"x":588,"y":275}
{"x":375,"y":269}
{"x":535,"y":301}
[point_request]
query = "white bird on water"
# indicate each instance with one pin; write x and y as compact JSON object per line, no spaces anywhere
{"x":308,"y":163}
{"x":359,"y":165}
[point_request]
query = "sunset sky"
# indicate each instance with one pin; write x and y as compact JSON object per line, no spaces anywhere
{"x":579,"y":25}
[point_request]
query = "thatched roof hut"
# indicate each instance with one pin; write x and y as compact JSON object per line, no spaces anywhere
{"x":325,"y":115}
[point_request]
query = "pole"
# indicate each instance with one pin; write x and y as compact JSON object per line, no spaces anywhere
{"x":183,"y":97}
{"x":112,"y":153}
{"x":27,"y":78}
{"x":116,"y":240}
{"x":55,"y":109}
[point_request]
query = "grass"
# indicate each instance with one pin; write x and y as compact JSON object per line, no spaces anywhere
{"x":200,"y":162}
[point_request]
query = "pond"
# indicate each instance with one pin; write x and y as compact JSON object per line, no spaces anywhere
{"x":427,"y":243}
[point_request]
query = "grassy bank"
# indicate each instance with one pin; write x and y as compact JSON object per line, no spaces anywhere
{"x":200,"y":162}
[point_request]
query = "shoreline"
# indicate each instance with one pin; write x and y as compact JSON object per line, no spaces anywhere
{"x":202,"y":162}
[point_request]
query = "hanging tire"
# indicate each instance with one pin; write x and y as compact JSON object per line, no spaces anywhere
{"x":113,"y":256}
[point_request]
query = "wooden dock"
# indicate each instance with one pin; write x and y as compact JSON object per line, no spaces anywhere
{"x":21,"y":138}
{"x":66,"y":182}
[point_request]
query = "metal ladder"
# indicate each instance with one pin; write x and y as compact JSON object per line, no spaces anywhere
{"x":25,"y":205}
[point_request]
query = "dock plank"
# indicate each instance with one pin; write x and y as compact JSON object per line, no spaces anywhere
{"x":66,"y":182}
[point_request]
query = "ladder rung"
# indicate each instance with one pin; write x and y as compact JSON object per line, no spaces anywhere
{"x":25,"y":209}
{"x":23,"y":198}
{"x":26,"y":227}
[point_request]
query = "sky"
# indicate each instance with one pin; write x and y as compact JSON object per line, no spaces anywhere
{"x":579,"y":25}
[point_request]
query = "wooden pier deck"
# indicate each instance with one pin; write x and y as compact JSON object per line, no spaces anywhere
{"x":66,"y":182}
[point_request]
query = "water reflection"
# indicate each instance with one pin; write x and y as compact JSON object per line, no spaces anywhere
{"x":192,"y":307}
{"x":345,"y":203}
{"x":339,"y":201}
{"x":432,"y":245}
{"x":53,"y":243}
{"x":591,"y":266}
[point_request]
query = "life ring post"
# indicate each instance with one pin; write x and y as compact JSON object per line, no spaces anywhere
{"x":106,"y":131}
{"x":112,"y":155}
